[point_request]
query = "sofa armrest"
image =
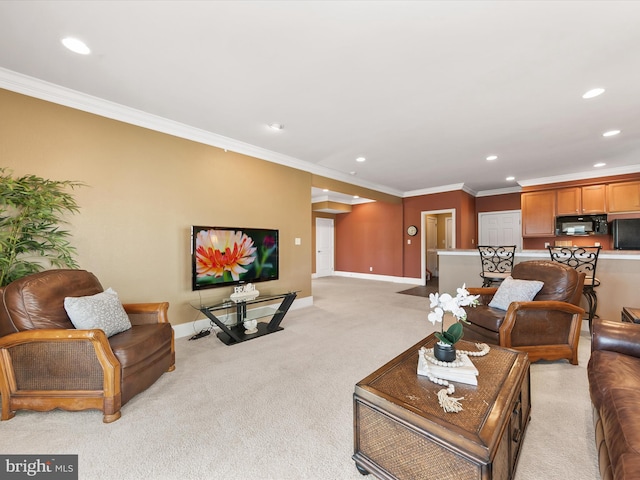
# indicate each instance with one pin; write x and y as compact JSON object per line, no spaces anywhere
{"x":486,"y":293}
{"x":617,"y":337}
{"x":66,"y":357}
{"x":516,"y":310}
{"x":147,"y":313}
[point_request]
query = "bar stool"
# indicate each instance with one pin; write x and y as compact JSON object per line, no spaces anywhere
{"x":497,"y":262}
{"x":583,"y":259}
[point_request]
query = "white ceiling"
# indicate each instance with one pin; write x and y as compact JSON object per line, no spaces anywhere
{"x":425,"y":90}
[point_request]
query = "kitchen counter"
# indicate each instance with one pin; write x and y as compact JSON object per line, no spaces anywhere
{"x":617,"y":270}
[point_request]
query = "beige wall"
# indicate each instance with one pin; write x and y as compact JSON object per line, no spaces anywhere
{"x":144,"y":191}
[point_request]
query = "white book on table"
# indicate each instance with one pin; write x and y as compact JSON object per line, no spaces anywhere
{"x":466,"y":373}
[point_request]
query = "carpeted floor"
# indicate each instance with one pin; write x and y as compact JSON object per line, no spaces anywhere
{"x":280,"y":407}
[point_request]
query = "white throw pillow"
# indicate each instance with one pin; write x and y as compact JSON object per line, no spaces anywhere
{"x":512,"y":290}
{"x":102,"y":310}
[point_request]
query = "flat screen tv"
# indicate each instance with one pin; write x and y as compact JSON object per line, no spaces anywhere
{"x":223,"y":256}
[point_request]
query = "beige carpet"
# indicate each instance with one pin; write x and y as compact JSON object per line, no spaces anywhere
{"x":280,"y":407}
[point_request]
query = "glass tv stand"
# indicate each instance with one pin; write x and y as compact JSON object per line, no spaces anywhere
{"x":233,"y":330}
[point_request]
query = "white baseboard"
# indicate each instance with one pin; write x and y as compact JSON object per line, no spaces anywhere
{"x":191,"y":328}
{"x":381,"y":278}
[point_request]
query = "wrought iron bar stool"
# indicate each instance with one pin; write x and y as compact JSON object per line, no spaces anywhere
{"x":497,"y":262}
{"x":583,"y":259}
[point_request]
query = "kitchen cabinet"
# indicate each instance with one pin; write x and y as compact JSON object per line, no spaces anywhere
{"x":623,"y":197}
{"x":581,"y":200}
{"x":569,"y":201}
{"x":594,"y":199}
{"x":538,"y":214}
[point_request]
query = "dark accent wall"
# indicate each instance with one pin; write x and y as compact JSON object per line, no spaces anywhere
{"x":458,"y":200}
{"x":370,"y":237}
{"x":498,"y":203}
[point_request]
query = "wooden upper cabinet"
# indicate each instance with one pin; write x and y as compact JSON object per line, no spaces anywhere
{"x":581,"y":200}
{"x":538,"y":213}
{"x":569,"y":201}
{"x":594,"y":199}
{"x":624,"y":197}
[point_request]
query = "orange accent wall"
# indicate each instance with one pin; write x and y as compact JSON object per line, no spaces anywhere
{"x":370,"y":236}
{"x":497,"y":203}
{"x":460,"y":201}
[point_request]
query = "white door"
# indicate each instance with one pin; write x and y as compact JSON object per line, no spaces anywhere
{"x":500,"y":228}
{"x":324,"y":247}
{"x":448,"y":234}
{"x":432,"y":244}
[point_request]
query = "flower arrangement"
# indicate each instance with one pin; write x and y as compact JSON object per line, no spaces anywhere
{"x":455,"y":305}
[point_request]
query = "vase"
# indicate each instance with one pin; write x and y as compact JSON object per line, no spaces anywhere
{"x":444,"y":352}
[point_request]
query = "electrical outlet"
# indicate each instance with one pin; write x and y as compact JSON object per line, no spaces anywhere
{"x":371,"y":269}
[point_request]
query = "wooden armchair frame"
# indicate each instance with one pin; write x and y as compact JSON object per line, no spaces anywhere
{"x":87,"y":351}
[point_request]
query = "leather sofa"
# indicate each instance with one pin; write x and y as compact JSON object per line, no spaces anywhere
{"x":547,"y":327}
{"x":614,"y":386}
{"x":46,"y":363}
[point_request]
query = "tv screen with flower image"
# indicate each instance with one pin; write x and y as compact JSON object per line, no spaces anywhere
{"x":224,"y":256}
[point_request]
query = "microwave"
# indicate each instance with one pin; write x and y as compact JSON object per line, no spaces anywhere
{"x":582,"y":225}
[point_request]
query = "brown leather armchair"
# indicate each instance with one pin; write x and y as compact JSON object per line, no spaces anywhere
{"x":547,"y":327}
{"x":46,"y":363}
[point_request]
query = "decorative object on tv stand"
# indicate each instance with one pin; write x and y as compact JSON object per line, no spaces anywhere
{"x":244,"y":293}
{"x":251,"y":326}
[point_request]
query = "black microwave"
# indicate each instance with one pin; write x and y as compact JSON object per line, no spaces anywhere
{"x":582,"y":225}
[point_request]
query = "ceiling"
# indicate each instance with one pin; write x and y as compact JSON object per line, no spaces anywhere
{"x":424,"y":90}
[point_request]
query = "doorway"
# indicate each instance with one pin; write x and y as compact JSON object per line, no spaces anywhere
{"x":438,"y":232}
{"x":324,"y":247}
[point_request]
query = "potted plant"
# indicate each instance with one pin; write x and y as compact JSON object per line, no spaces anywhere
{"x":31,"y":212}
{"x":444,"y":349}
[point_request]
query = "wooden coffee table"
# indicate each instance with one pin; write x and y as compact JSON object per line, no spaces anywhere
{"x":401,"y":432}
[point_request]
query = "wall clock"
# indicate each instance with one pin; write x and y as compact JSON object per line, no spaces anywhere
{"x":412,"y":230}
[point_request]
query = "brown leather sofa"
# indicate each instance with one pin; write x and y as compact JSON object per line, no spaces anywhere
{"x":614,"y":385}
{"x":547,"y":327}
{"x":46,"y":363}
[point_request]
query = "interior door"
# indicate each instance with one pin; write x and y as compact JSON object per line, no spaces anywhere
{"x":500,"y":228}
{"x":432,"y":244}
{"x":324,"y":247}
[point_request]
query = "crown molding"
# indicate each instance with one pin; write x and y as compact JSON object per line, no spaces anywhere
{"x":34,"y":87}
{"x":580,"y":176}
{"x":498,"y":191}
{"x":432,"y":190}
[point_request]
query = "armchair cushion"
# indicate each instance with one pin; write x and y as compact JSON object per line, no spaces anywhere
{"x":102,"y":310}
{"x":512,"y":290}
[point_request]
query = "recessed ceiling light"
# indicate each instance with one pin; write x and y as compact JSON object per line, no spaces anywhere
{"x":611,"y":133}
{"x":353,"y":173}
{"x":492,"y":157}
{"x":325,"y":189}
{"x":76,"y":46}
{"x":510,"y":179}
{"x":276,"y":126}
{"x":356,"y":196}
{"x":594,"y":92}
{"x":600,"y":164}
{"x":361,"y":159}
